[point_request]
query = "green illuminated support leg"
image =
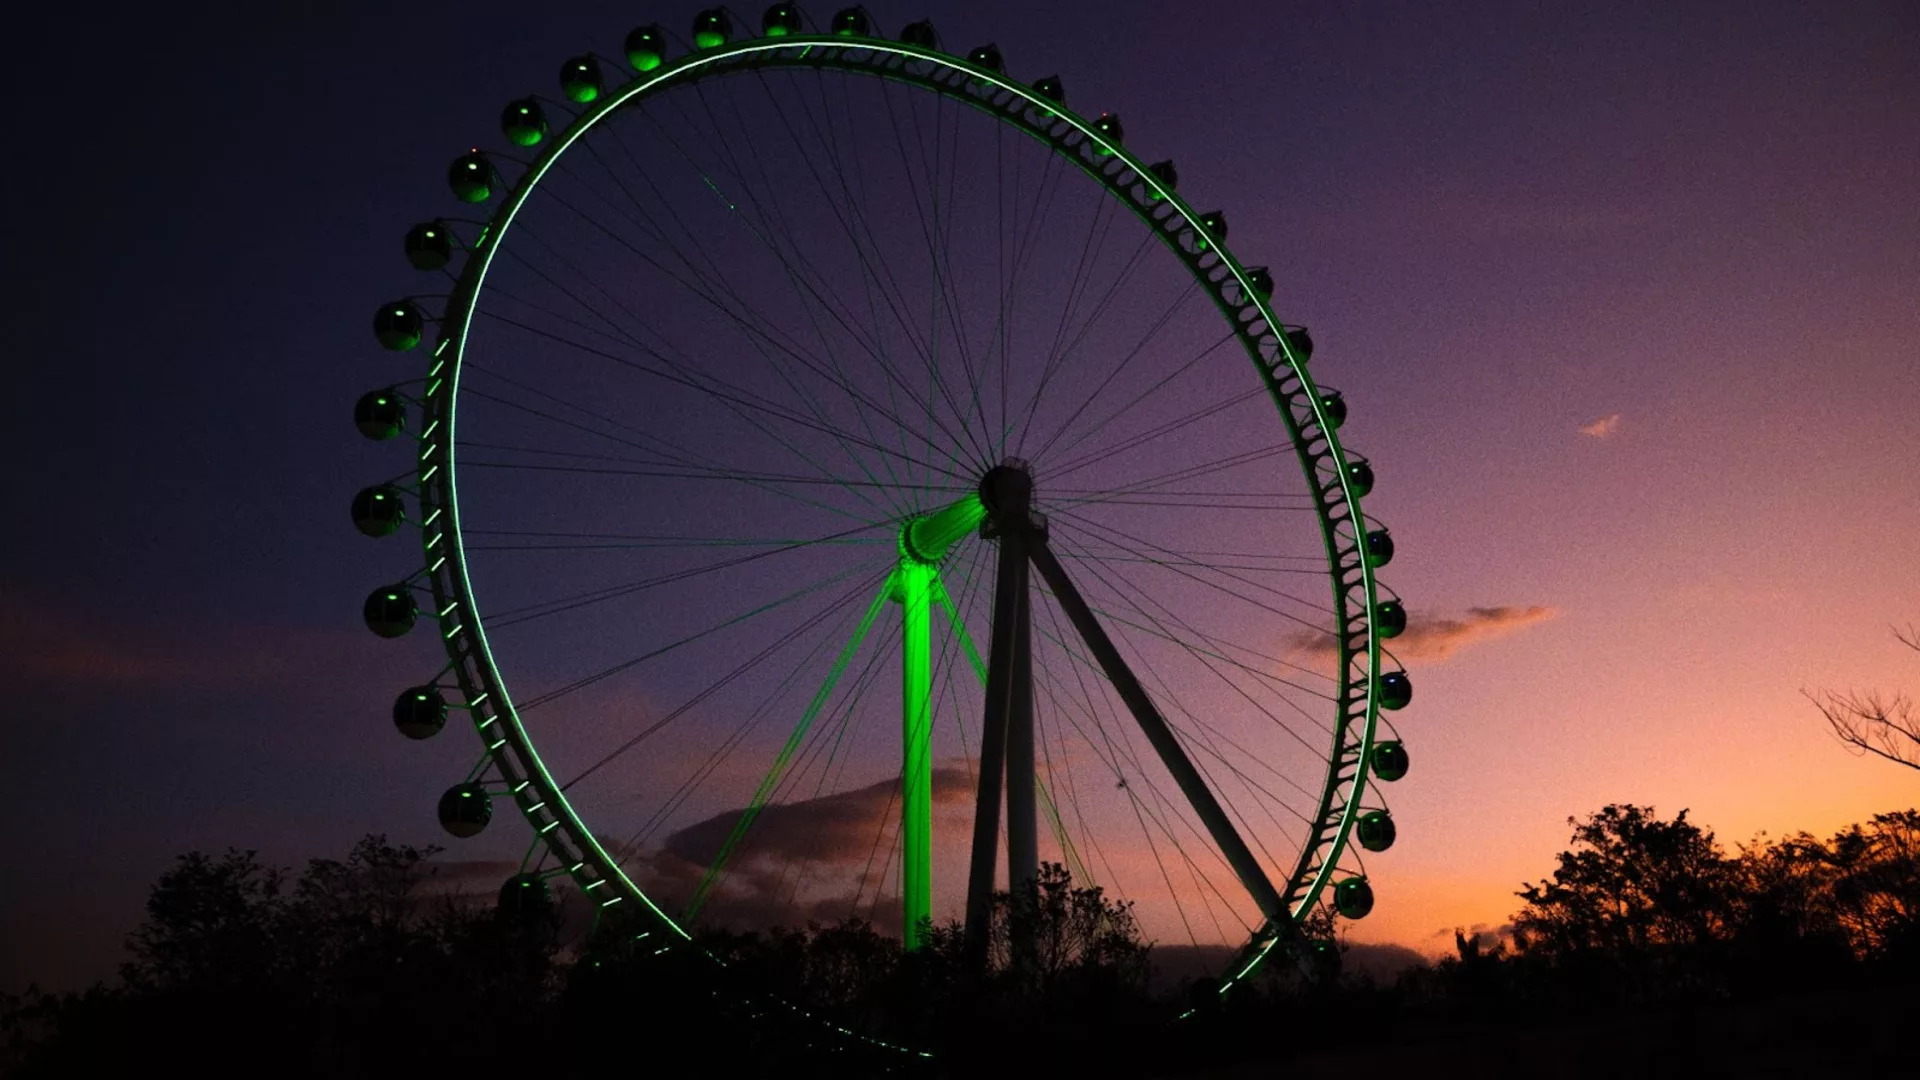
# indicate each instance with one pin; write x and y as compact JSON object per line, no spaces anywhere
{"x":924,"y":541}
{"x":914,"y":583}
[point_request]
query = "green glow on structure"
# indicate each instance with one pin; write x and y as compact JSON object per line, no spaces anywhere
{"x":709,"y":39}
{"x":914,"y":582}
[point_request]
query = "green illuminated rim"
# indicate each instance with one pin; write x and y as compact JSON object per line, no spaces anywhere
{"x":1282,"y":368}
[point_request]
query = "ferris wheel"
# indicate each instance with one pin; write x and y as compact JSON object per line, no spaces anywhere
{"x":848,"y":478}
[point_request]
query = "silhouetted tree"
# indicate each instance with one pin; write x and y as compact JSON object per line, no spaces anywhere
{"x":356,"y":967}
{"x":1873,"y":723}
{"x":1630,"y":882}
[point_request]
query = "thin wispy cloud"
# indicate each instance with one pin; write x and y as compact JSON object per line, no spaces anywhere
{"x":1432,"y":638}
{"x":1603,"y":428}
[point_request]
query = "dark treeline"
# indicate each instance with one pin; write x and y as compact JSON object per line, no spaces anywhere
{"x":1650,"y":945}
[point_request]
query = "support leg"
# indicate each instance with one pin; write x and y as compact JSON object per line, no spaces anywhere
{"x":916,"y":767}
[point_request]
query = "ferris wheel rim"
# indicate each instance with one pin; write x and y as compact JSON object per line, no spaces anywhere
{"x":510,"y":747}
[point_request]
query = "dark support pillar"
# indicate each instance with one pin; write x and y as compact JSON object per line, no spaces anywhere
{"x":1023,"y":844}
{"x":993,"y":750}
{"x":1006,"y":741}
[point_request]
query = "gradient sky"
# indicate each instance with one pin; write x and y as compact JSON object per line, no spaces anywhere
{"x":1626,"y":306}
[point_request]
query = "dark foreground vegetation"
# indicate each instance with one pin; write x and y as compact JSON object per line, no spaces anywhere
{"x":1649,"y":949}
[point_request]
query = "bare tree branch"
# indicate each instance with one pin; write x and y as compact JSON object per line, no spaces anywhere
{"x":1871,"y":723}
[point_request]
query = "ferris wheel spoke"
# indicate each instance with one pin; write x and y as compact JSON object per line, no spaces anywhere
{"x":1216,"y":652}
{"x":816,"y":296}
{"x":817,"y":758}
{"x":776,"y":773}
{"x":699,"y":635}
{"x":1139,"y":348}
{"x":1207,"y":660}
{"x":1081,"y":281}
{"x":702,"y":773}
{"x":1115,"y":756}
{"x":872,"y":342}
{"x":842,"y":206}
{"x":847,"y":213}
{"x":809,"y":287}
{"x":1160,"y":734}
{"x":1111,"y":422}
{"x":939,"y":289}
{"x":1212,"y":468}
{"x":703,"y":386}
{"x":692,"y":464}
{"x":633,"y":341}
{"x":810,"y":623}
{"x":530,"y":612}
{"x":757,"y":332}
{"x":938,"y":231}
{"x":1094,"y":318}
{"x":1137,"y":546}
{"x":1201,"y":737}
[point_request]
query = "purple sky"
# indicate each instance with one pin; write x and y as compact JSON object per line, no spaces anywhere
{"x":1692,"y":234}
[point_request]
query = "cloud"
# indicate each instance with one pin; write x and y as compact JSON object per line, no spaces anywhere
{"x":1602,"y":428}
{"x":834,"y":828}
{"x":1433,"y":638}
{"x":807,"y":861}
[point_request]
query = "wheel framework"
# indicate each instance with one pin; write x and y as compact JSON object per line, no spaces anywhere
{"x":1280,"y":355}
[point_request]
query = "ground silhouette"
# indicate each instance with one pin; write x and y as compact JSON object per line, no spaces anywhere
{"x":1649,"y":947}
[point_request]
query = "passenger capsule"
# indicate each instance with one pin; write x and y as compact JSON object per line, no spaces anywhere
{"x":1379,"y":548}
{"x":429,"y":246}
{"x":420,"y":712}
{"x":524,"y":122}
{"x":780,"y":20}
{"x":1375,"y":830}
{"x":1359,"y":476}
{"x":398,"y":324}
{"x":1300,"y":342}
{"x":1262,"y":281}
{"x":986,"y":56}
{"x":920,"y":34}
{"x":1389,"y":761}
{"x":526,"y":898}
{"x":1109,"y":126}
{"x":390,"y":611}
{"x":380,"y":415}
{"x":1396,"y":690}
{"x":712,"y":28}
{"x":647,"y":48}
{"x":1168,"y":176}
{"x":1353,"y":898}
{"x":378,"y":511}
{"x":1212,"y":225}
{"x":1389,"y":618}
{"x":471,"y":177}
{"x":580,"y":79}
{"x":1334,"y":405}
{"x":465,"y":810}
{"x":1052,"y":89}
{"x":852,"y":22}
